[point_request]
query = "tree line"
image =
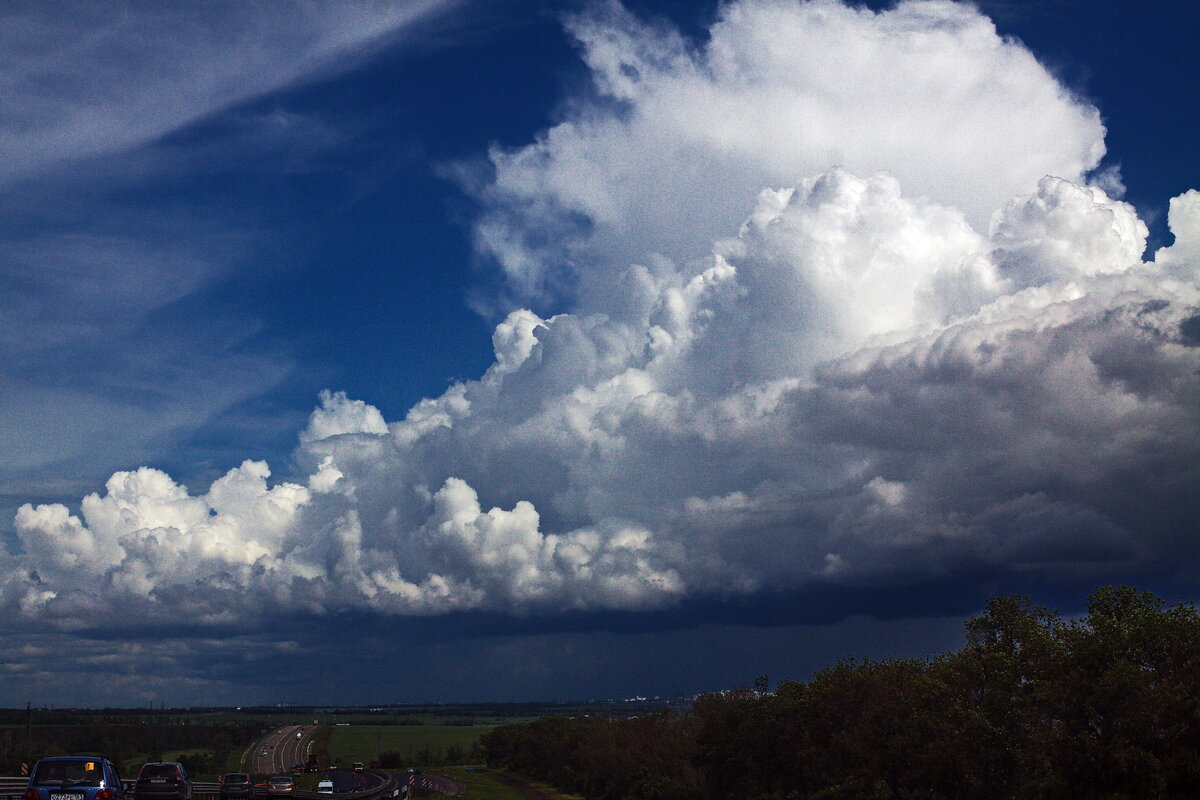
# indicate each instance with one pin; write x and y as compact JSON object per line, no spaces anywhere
{"x":127,"y":744}
{"x":429,"y":755}
{"x":1106,"y":706}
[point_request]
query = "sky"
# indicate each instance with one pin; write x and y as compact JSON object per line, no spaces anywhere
{"x":453,"y":350}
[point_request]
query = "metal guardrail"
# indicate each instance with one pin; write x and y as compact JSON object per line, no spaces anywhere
{"x":386,"y":788}
{"x":15,"y":788}
{"x":436,"y":783}
{"x":11,"y":788}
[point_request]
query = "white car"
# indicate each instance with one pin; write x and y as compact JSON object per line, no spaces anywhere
{"x":325,"y":787}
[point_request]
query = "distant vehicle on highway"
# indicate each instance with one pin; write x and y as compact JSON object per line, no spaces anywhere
{"x":280,"y":786}
{"x":163,"y":780}
{"x":236,"y":784}
{"x":358,"y":766}
{"x":325,"y":787}
{"x":74,"y":778}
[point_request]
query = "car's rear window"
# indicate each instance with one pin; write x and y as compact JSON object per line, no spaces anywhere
{"x":69,"y":773}
{"x":280,"y":781}
{"x":159,"y":771}
{"x":237,"y":777}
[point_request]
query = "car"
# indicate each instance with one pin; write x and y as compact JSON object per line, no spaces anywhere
{"x":358,"y":766}
{"x":325,"y":787}
{"x":74,"y":778}
{"x":163,"y":780}
{"x":281,"y":786}
{"x":236,"y":784}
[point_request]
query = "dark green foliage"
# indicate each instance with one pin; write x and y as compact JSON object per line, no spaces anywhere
{"x":643,"y":758}
{"x":126,"y":743}
{"x":1106,"y":707}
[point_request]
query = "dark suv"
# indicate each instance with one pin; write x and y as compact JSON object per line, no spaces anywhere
{"x":163,"y":780}
{"x":74,"y":778}
{"x":236,"y":784}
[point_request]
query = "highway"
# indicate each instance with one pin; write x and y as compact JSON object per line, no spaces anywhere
{"x":278,"y":751}
{"x":282,"y":748}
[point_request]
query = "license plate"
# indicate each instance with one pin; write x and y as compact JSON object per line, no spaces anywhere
{"x":158,"y":780}
{"x":65,"y":796}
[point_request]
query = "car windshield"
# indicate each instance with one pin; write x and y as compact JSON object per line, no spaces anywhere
{"x":159,"y":771}
{"x":68,"y":773}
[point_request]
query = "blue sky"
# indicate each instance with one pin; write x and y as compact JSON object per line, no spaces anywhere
{"x":581,"y":349}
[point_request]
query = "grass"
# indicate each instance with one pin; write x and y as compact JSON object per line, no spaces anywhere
{"x":484,"y":787}
{"x":349,"y":743}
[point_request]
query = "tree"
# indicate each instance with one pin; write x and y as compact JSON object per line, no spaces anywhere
{"x":1127,"y":699}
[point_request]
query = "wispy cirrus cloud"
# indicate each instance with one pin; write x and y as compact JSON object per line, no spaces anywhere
{"x":83,"y":78}
{"x":107,"y":354}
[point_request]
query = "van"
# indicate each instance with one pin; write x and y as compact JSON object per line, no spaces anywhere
{"x":325,"y":787}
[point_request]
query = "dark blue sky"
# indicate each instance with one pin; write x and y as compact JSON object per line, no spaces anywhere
{"x":351,"y":200}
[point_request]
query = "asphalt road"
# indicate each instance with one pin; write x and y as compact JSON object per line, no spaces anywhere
{"x":345,"y":780}
{"x":282,"y":748}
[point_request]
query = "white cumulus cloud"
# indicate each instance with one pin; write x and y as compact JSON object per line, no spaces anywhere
{"x":679,"y":135}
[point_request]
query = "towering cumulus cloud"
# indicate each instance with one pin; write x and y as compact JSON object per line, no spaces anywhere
{"x":836,"y":305}
{"x":678,"y":140}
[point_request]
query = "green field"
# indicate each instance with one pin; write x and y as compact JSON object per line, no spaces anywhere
{"x":418,"y":716}
{"x":418,"y":745}
{"x":484,"y":787}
